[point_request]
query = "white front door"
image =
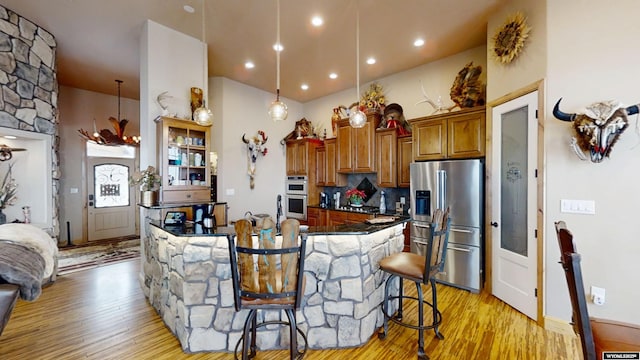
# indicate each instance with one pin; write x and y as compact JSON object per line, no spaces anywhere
{"x":111,"y":202}
{"x":513,"y":203}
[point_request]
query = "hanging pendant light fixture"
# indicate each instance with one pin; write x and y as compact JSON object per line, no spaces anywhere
{"x":357,"y":118}
{"x":202,"y":115}
{"x":278,"y":110}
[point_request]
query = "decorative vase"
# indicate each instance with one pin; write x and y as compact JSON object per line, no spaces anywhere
{"x":149,"y":198}
{"x":3,"y":217}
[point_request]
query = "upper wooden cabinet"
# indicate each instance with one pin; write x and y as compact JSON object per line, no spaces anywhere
{"x":454,"y":135}
{"x":405,"y":157}
{"x":356,"y":147}
{"x":184,"y":161}
{"x":386,"y":157}
{"x":326,"y":165}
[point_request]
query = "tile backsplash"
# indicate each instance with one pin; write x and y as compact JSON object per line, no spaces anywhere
{"x":392,"y":195}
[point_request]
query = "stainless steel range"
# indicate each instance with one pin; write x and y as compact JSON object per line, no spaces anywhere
{"x":361,"y":209}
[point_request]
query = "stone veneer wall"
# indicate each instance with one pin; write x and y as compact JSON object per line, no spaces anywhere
{"x":29,"y":96}
{"x":188,"y":281}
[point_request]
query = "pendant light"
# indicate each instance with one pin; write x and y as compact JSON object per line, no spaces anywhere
{"x":202,"y":115}
{"x":278,"y":110}
{"x":357,"y":118}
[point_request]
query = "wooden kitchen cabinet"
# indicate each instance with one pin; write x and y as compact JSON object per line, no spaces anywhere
{"x":336,"y":217}
{"x":321,"y":166}
{"x":316,"y":216}
{"x":297,"y":157}
{"x":456,"y":135}
{"x":386,"y":157}
{"x":405,"y":157}
{"x":326,"y":165}
{"x":183,"y":161}
{"x":356,"y":147}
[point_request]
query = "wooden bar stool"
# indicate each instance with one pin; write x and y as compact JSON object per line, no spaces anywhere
{"x":596,"y":335}
{"x":421,"y":269}
{"x":268,"y":276}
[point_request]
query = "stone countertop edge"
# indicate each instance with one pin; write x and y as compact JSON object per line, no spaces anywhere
{"x":179,"y":205}
{"x":356,"y":212}
{"x":346,"y":229}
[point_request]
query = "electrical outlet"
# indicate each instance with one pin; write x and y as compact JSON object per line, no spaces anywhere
{"x":402,"y":200}
{"x":597,"y":295}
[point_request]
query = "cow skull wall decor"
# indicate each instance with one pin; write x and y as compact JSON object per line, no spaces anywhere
{"x":255,"y":147}
{"x":598,"y":129}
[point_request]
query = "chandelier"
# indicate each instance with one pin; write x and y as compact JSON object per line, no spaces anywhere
{"x":105,"y":136}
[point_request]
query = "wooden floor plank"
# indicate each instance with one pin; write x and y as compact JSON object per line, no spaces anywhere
{"x":101,"y":313}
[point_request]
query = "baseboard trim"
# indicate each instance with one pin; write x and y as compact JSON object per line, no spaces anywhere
{"x":558,"y":325}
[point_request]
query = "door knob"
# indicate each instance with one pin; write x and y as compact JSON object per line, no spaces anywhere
{"x":494,"y":224}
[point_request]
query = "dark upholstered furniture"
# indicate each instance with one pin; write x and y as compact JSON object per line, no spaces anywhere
{"x":596,"y":335}
{"x":8,"y":296}
{"x":421,"y":269}
{"x":268,"y":276}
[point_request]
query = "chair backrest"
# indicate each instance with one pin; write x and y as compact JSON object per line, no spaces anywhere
{"x":437,"y":245}
{"x":570,"y":261}
{"x":267,"y":274}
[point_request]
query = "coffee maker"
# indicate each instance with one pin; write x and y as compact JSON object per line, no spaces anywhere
{"x":324,"y":200}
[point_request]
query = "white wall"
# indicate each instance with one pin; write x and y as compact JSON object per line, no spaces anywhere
{"x":586,"y":64}
{"x":169,"y":61}
{"x":240,"y":109}
{"x":78,"y":109}
{"x":404,"y":88}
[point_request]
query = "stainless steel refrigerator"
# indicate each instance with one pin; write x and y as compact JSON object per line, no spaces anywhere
{"x":459,"y":185}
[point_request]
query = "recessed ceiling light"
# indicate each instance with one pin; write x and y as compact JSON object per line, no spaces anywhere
{"x":249,"y":65}
{"x":333,"y":76}
{"x":317,"y":21}
{"x":418,"y":42}
{"x":189,"y":9}
{"x":304,"y":87}
{"x":10,"y":137}
{"x":371,"y":60}
{"x":278,"y":47}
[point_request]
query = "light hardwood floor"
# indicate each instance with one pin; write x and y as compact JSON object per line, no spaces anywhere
{"x":101,"y":313}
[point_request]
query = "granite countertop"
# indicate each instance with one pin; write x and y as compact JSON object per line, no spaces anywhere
{"x":193,"y":229}
{"x":376,"y":213}
{"x":179,"y":205}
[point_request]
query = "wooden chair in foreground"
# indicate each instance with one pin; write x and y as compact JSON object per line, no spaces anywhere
{"x":596,"y":335}
{"x":421,"y":269}
{"x":268,"y":277}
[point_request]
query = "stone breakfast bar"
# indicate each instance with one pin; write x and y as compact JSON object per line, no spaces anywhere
{"x":186,"y":277}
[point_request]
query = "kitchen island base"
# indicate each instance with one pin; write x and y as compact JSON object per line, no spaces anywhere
{"x":187,"y":279}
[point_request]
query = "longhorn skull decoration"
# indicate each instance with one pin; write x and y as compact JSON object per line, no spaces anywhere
{"x":255,"y":147}
{"x":598,"y":129}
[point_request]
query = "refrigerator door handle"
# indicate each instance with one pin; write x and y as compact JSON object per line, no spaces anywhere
{"x":463,"y":231}
{"x":441,"y":201}
{"x":421,"y":226}
{"x":420,"y":242}
{"x":459,"y":249}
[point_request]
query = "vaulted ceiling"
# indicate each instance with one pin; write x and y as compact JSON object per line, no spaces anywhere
{"x":99,"y":40}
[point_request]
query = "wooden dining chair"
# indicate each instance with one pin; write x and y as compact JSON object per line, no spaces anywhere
{"x":596,"y":335}
{"x":421,"y":269}
{"x":268,"y":276}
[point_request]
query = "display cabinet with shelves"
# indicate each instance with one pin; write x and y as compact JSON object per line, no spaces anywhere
{"x":183,"y":150}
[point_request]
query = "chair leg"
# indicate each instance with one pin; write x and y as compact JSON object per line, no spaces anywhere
{"x":382,"y":334}
{"x":249,"y":329}
{"x":421,"y":354}
{"x":435,"y":311}
{"x":400,"y":298}
{"x":254,"y":329}
{"x":293,"y":335}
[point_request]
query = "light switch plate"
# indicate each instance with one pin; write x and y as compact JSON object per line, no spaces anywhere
{"x":578,"y":206}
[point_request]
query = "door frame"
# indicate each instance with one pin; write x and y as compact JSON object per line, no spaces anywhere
{"x":540,"y":184}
